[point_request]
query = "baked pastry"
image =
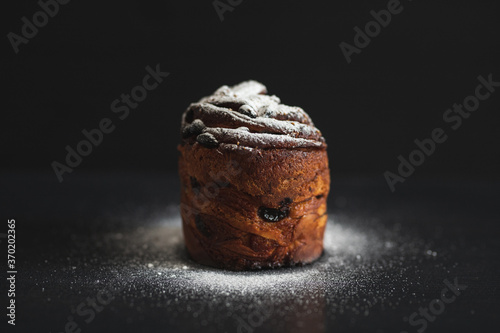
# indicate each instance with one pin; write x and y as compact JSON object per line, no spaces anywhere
{"x":254,"y":181}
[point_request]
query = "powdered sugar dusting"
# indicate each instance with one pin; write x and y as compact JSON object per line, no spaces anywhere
{"x":344,"y":246}
{"x":362,"y":262}
{"x":247,"y":105}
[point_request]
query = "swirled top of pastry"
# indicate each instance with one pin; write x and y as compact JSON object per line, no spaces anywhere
{"x":245,"y":116}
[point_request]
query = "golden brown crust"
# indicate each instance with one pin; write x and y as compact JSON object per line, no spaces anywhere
{"x":255,"y":179}
{"x":223,"y":194}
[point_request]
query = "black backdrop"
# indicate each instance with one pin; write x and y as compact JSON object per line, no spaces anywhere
{"x":370,"y":111}
{"x":93,"y":230}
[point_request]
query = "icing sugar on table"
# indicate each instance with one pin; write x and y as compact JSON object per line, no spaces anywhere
{"x":347,"y":277}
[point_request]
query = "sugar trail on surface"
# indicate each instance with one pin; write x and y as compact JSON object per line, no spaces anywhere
{"x":362,"y":264}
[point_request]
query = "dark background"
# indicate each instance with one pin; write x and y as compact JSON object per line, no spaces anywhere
{"x":370,"y":111}
{"x":75,"y":237}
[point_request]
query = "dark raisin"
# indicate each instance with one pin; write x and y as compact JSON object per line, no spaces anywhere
{"x":273,"y":214}
{"x":194,"y":183}
{"x":248,"y":111}
{"x":319,"y":196}
{"x":200,"y":225}
{"x":207,"y":140}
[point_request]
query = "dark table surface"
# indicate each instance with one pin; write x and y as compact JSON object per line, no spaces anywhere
{"x":104,"y":253}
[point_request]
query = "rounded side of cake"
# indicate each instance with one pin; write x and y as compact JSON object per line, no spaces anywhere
{"x":253,"y":186}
